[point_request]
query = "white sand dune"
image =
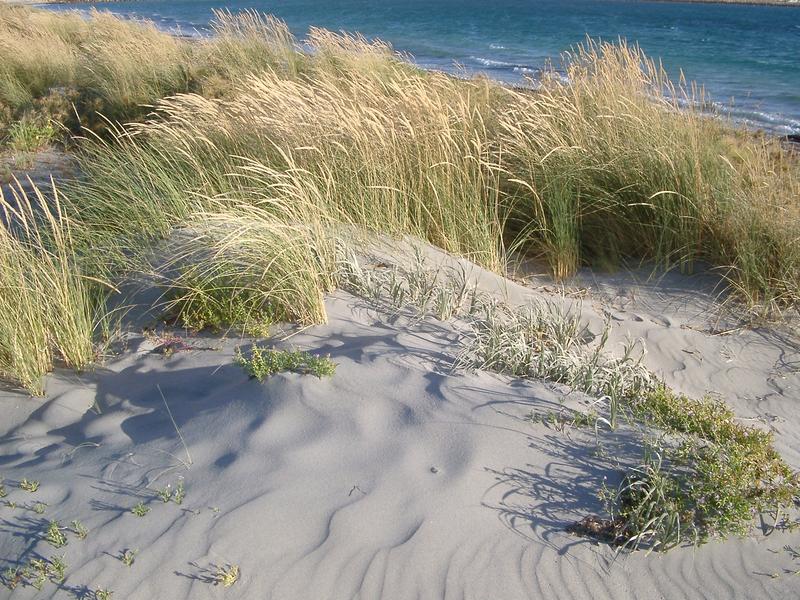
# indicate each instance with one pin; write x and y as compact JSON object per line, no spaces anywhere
{"x":394,"y":479}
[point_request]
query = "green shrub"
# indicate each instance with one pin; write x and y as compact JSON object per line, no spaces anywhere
{"x":710,"y":476}
{"x":264,"y":362}
{"x":199,"y":304}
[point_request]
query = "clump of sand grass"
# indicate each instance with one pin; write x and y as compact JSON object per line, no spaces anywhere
{"x":618,"y":163}
{"x":49,"y":311}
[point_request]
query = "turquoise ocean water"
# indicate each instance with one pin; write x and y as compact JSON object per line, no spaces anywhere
{"x":747,"y":57}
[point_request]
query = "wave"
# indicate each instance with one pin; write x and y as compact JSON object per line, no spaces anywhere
{"x":490,"y":62}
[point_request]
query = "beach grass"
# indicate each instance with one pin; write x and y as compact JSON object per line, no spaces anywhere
{"x":617,"y":164}
{"x":251,"y":151}
{"x":50,"y":310}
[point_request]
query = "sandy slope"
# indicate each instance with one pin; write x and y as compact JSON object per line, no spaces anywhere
{"x":395,"y":479}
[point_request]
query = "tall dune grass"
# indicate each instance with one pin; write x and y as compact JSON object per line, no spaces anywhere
{"x":617,"y":163}
{"x":49,"y":311}
{"x":614,"y":165}
{"x":99,"y":64}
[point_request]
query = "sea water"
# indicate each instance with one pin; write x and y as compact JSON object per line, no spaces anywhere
{"x":747,"y":57}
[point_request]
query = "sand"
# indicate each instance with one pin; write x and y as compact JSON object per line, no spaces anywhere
{"x":395,"y":479}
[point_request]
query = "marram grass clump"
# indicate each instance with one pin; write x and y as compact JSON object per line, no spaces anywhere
{"x":50,"y":310}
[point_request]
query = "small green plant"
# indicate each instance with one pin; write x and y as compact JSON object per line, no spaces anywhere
{"x":39,"y":508}
{"x":36,"y":573}
{"x":140,"y":509}
{"x":165,"y":494}
{"x":265,"y":362}
{"x":103,"y":594}
{"x":216,"y":305}
{"x":55,"y":536}
{"x":10,"y":504}
{"x":29,"y":485}
{"x":3,"y":492}
{"x":710,"y":480}
{"x":226,"y":575}
{"x":180,"y":493}
{"x":57,"y":569}
{"x":30,"y":134}
{"x":128,"y":557}
{"x":176,"y":495}
{"x":79,"y":529}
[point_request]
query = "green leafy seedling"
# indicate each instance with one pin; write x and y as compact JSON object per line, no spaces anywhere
{"x":180,"y":493}
{"x":128,"y":557}
{"x":79,"y":529}
{"x":103,"y":594}
{"x":165,"y":494}
{"x":55,"y":536}
{"x":57,"y":569}
{"x":38,"y":572}
{"x":175,"y":495}
{"x":140,"y":510}
{"x":39,"y":508}
{"x":29,"y":485}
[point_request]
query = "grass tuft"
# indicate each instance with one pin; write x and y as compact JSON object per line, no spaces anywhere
{"x":226,"y":575}
{"x":29,"y":485}
{"x":140,"y":509}
{"x":79,"y":529}
{"x":128,"y":557}
{"x":49,"y":311}
{"x":55,"y":535}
